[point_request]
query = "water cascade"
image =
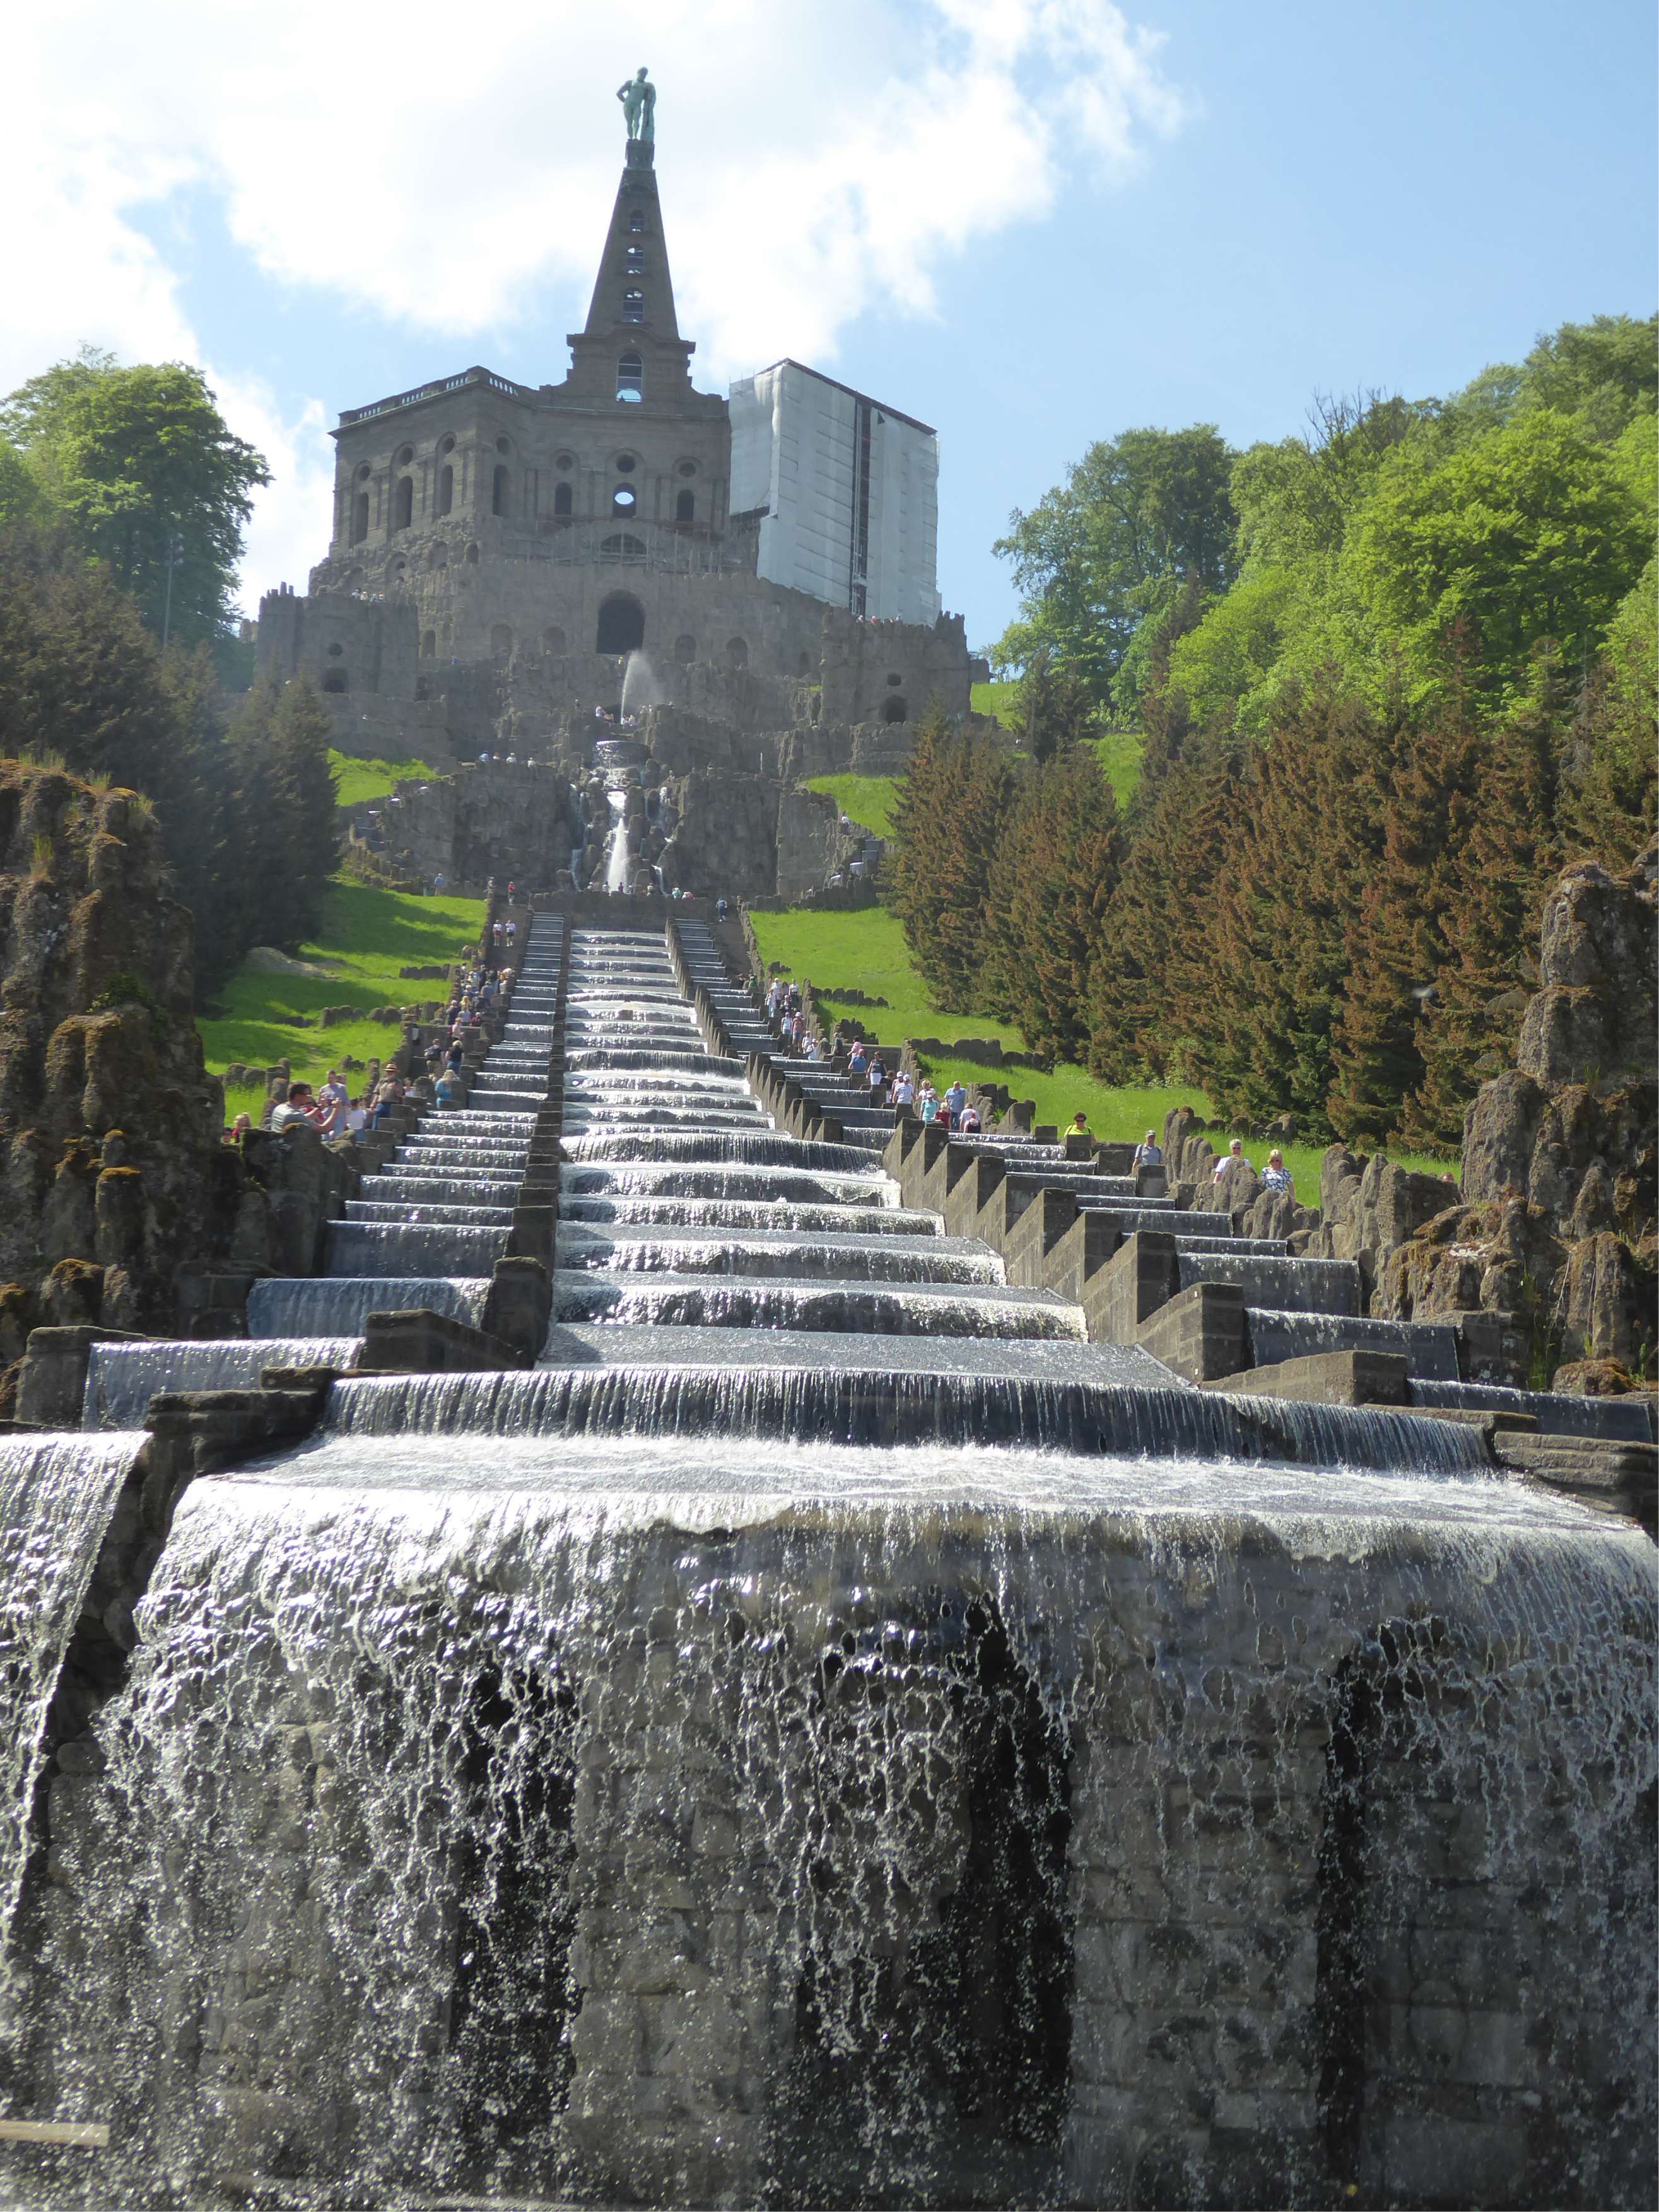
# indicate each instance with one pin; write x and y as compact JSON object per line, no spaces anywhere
{"x":829,"y":1732}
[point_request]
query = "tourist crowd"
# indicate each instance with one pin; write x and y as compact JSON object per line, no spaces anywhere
{"x":429,"y":1073}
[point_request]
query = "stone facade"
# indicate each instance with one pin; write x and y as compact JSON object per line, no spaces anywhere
{"x":505,"y":559}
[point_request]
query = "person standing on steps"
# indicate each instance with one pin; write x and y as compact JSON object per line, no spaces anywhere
{"x":1149,"y":1153}
{"x":333,"y":1103}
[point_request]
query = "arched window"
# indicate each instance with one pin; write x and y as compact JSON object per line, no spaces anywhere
{"x":471,"y":556}
{"x":553,"y":639}
{"x":636,"y":218}
{"x":499,"y":494}
{"x":334,"y":679}
{"x":624,"y":499}
{"x":630,"y":378}
{"x":621,"y":624}
{"x":446,"y":489}
{"x":398,"y":574}
{"x":633,"y":305}
{"x":685,"y":649}
{"x":893,"y":708}
{"x":685,"y":507}
{"x":422,"y":688}
{"x":622,"y":548}
{"x":501,"y":643}
{"x":360,"y":517}
{"x":636,"y":260}
{"x":736,"y":653}
{"x":804,"y":666}
{"x":428,"y":644}
{"x":403,"y":506}
{"x":563,"y":499}
{"x":438,"y":558}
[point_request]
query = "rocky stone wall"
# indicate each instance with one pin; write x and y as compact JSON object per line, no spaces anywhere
{"x":109,"y":1124}
{"x":117,"y":1200}
{"x":1556,"y":1226}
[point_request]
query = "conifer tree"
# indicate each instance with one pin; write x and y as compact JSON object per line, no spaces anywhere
{"x":951,"y":810}
{"x":1162,"y":902}
{"x":1051,"y":888}
{"x":281,"y":780}
{"x":1256,"y":1001}
{"x":1056,"y":707}
{"x":1498,"y":883}
{"x":1426,"y":800}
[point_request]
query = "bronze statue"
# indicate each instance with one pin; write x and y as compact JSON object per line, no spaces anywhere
{"x":639,"y":100}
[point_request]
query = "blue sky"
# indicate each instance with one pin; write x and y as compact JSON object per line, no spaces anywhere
{"x":1033,"y":223}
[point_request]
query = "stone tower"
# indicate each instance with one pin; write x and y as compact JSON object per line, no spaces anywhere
{"x":498,"y":549}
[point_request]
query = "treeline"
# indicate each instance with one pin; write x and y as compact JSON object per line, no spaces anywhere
{"x":243,"y":785}
{"x":136,"y":468}
{"x":124,"y":495}
{"x":1388,"y":678}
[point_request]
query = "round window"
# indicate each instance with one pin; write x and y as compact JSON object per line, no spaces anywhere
{"x":687,"y":468}
{"x":335,"y":651}
{"x":446,"y":444}
{"x":503,"y":445}
{"x":564,"y":461}
{"x":363,"y":473}
{"x":406,"y":455}
{"x":625,"y":464}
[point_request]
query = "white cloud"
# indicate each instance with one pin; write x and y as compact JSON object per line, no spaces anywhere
{"x":438,"y":170}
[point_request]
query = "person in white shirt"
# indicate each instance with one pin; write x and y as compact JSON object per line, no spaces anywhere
{"x":1235,"y":1152}
{"x":333,"y":1102}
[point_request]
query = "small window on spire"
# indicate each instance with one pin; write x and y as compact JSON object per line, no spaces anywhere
{"x":636,"y":218}
{"x":633,"y":307}
{"x":636,"y":261}
{"x":630,"y":378}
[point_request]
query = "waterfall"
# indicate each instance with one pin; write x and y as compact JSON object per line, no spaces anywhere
{"x":56,"y":1494}
{"x":339,"y":1305}
{"x":123,"y":1378}
{"x":425,"y":1710}
{"x":829,"y":1733}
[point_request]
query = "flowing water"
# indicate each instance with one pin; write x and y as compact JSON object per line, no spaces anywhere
{"x":831,"y":1734}
{"x":56,"y":1494}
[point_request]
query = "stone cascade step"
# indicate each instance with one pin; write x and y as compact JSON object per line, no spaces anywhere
{"x":684,"y":1204}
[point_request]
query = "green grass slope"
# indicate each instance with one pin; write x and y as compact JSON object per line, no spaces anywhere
{"x":359,"y":780}
{"x":366,"y":935}
{"x":866,"y":799}
{"x":866,"y":952}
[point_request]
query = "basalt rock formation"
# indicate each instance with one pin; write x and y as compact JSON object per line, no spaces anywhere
{"x":1558,"y":1222}
{"x":108,"y":1122}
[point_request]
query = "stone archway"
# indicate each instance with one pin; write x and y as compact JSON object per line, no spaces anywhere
{"x":621,"y":624}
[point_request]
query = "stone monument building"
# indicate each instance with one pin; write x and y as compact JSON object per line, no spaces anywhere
{"x":708,"y":590}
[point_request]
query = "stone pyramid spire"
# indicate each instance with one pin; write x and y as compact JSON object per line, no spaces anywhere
{"x":632,"y":315}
